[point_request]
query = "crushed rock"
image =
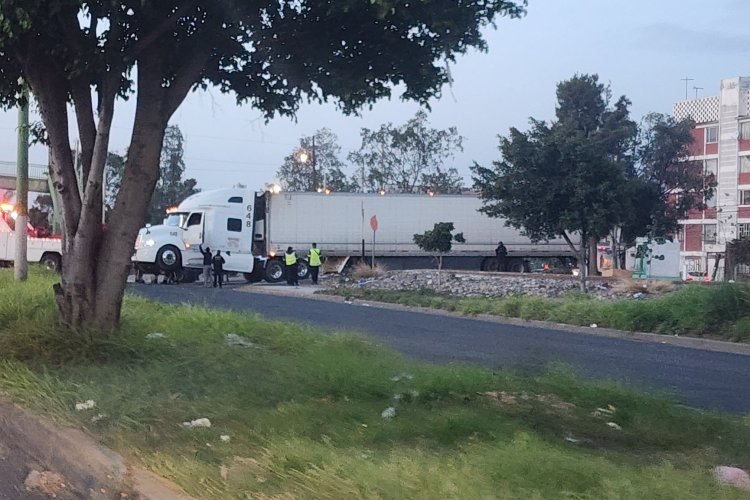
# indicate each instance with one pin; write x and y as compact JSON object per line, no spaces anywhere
{"x":479,"y":284}
{"x":47,"y":482}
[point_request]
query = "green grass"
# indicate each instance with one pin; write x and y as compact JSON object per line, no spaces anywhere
{"x":302,"y":409}
{"x":719,"y":311}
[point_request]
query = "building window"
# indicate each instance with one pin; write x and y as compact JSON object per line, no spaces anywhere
{"x":745,"y":197}
{"x":712,"y":167}
{"x":234,"y":225}
{"x":743,"y":230}
{"x":712,"y":135}
{"x":709,"y":233}
{"x":744,"y":164}
{"x":745,"y":130}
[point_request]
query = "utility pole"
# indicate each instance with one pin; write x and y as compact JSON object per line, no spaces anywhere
{"x":20,"y":262}
{"x":314,"y":160}
{"x":696,"y":90}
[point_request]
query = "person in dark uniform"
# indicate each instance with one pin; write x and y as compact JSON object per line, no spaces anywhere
{"x":501,"y":254}
{"x":290,"y":260}
{"x":313,"y":262}
{"x":218,"y":262}
{"x":207,"y":261}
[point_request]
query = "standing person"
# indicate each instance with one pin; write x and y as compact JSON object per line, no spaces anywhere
{"x":290,"y":259}
{"x":207,"y":260}
{"x":501,"y":254}
{"x":218,"y":262}
{"x":313,"y":262}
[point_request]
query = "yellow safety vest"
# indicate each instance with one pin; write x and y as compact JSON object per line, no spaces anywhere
{"x":314,"y":257}
{"x":290,"y":258}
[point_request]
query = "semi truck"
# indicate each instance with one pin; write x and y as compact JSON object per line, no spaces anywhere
{"x":41,"y":248}
{"x":254,"y":229}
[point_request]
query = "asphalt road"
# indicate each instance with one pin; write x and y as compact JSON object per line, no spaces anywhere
{"x":699,"y":378}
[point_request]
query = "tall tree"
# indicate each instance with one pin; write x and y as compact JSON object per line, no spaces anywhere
{"x":410,"y":158}
{"x":171,"y":189}
{"x":271,"y":54}
{"x":564,"y":179}
{"x":315,"y":164}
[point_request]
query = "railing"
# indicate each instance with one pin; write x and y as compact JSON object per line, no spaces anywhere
{"x":36,"y":170}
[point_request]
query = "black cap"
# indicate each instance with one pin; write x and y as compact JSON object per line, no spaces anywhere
{"x":290,"y":249}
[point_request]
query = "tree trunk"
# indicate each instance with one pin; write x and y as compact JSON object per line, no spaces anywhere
{"x":593,"y":256}
{"x":581,"y":253}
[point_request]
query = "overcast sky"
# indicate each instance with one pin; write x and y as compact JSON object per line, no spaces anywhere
{"x":643,"y":48}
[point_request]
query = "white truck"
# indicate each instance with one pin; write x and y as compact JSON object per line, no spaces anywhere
{"x":45,"y":250}
{"x":253,"y":230}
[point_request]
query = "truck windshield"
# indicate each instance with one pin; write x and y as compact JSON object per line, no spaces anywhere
{"x":175,"y":219}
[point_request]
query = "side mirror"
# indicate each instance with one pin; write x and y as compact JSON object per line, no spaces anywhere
{"x":148,"y":226}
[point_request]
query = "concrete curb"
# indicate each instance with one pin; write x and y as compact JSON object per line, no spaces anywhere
{"x":92,"y":471}
{"x":654,"y":338}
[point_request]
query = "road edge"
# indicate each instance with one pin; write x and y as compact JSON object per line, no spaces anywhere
{"x":646,"y":337}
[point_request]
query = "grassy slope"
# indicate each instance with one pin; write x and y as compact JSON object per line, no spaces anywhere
{"x":719,"y":311}
{"x":302,"y":410}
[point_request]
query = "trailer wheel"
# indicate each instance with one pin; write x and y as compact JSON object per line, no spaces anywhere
{"x":169,"y":258}
{"x":516,"y":266}
{"x":274,"y":271}
{"x":51,"y":261}
{"x":303,"y":270}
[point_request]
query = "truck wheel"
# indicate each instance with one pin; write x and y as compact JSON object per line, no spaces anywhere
{"x":169,"y":258}
{"x":303,"y":270}
{"x":489,"y":264}
{"x":516,"y":266}
{"x":274,"y":271}
{"x":51,"y":261}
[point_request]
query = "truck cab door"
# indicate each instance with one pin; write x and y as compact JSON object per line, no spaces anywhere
{"x":194,"y":229}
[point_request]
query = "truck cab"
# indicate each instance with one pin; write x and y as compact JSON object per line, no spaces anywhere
{"x":221,"y":219}
{"x":40,"y":247}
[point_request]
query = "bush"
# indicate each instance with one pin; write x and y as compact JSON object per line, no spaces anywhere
{"x":363,"y":270}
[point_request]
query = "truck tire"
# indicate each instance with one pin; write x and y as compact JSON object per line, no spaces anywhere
{"x":274,"y":272}
{"x":51,"y":261}
{"x":169,"y":258}
{"x":303,"y":270}
{"x":516,"y":266}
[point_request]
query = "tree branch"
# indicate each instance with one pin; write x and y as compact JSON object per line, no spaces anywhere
{"x":186,"y":77}
{"x":170,"y":22}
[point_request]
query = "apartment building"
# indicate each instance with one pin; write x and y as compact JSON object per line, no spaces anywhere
{"x":722,"y":144}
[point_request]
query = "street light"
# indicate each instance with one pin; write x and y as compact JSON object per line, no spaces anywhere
{"x":303,"y":156}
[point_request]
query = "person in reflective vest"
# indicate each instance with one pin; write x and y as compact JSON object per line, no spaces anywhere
{"x":314,"y":262}
{"x":290,"y":260}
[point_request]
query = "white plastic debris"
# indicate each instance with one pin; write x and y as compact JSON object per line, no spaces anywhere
{"x":389,"y":412}
{"x":97,"y":417}
{"x":224,"y":438}
{"x":235,"y":340}
{"x":572,"y":440}
{"x":593,"y":325}
{"x":614,"y":426}
{"x":732,"y":476}
{"x":86,"y":405}
{"x":155,"y":335}
{"x":198,"y":422}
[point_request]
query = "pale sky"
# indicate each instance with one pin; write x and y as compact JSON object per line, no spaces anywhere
{"x":643,"y":48}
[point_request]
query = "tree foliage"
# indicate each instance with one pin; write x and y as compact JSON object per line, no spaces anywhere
{"x":322,"y":154}
{"x":563,"y":179}
{"x":439,"y":240}
{"x":171,"y":188}
{"x":272,"y":55}
{"x":410,"y":158}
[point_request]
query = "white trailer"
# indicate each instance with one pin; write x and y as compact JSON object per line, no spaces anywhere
{"x":340,"y":223}
{"x":253,"y":231}
{"x":42,"y":250}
